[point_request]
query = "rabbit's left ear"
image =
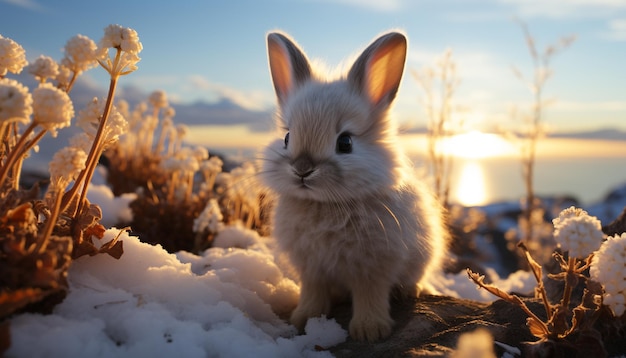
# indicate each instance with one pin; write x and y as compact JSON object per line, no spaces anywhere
{"x":377,"y":72}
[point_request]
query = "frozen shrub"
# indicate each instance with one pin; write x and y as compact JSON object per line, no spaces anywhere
{"x":608,"y":267}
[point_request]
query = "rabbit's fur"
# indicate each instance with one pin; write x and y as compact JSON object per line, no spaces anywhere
{"x":349,"y":214}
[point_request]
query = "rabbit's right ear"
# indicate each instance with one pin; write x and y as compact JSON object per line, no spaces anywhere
{"x":288,"y":65}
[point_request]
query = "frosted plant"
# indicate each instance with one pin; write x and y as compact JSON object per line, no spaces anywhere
{"x":12,"y":57}
{"x":123,"y":38}
{"x":64,"y":77}
{"x":126,"y":43}
{"x":243,"y":189}
{"x":68,"y":162}
{"x":52,"y":108}
{"x":476,"y":344}
{"x":608,"y":267}
{"x":577,"y":233}
{"x":169,"y":113}
{"x":168,"y":131}
{"x":15,"y":102}
{"x":43,"y":68}
{"x":200,"y":153}
{"x":158,"y":100}
{"x":210,"y":169}
{"x":126,"y":47}
{"x":81,"y":54}
{"x":176,"y":143}
{"x":210,"y":219}
{"x":89,"y":120}
{"x":580,"y":235}
{"x":181,"y":170}
{"x":81,"y":141}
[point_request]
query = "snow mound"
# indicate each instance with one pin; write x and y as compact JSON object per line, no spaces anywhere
{"x":154,"y":304}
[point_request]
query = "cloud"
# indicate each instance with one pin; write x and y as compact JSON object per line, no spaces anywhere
{"x":375,"y":5}
{"x":255,"y":100}
{"x":591,"y":106}
{"x":617,"y":30}
{"x":565,"y":8}
{"x":471,"y":64}
{"x":26,"y":4}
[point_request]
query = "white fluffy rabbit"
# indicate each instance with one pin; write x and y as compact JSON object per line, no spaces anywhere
{"x":349,"y":213}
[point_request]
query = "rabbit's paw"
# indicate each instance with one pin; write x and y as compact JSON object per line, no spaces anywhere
{"x":370,"y":328}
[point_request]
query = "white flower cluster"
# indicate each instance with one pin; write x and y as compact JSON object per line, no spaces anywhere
{"x":242,"y":182}
{"x":43,"y":68}
{"x":89,"y":120}
{"x":125,"y":40}
{"x":182,"y":164}
{"x":52,"y":108}
{"x":81,"y":54}
{"x":12,"y":56}
{"x":158,"y":99}
{"x":577,"y":232}
{"x":209,"y":219}
{"x":608,"y":267}
{"x":16,"y":103}
{"x":67,"y":163}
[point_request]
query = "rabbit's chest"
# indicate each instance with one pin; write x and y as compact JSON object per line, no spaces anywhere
{"x":333,"y":231}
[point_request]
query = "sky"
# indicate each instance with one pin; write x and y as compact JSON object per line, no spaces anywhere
{"x":209,"y":50}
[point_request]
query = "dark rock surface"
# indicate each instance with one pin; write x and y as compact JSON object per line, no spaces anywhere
{"x":430,"y":326}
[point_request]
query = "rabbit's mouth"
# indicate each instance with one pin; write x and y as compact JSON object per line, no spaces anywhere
{"x":303,"y":184}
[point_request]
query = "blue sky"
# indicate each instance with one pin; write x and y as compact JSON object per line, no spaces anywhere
{"x":207,"y":50}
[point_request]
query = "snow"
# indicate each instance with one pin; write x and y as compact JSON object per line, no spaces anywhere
{"x":154,"y":304}
{"x":116,"y":207}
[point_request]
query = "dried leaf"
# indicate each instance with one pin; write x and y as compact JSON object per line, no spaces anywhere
{"x":116,"y":250}
{"x":534,"y":266}
{"x":479,"y":280}
{"x":11,"y":301}
{"x":537,"y":328}
{"x":96,"y":230}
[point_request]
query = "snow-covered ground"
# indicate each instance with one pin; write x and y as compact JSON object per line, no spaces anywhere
{"x":154,"y":304}
{"x":228,"y":302}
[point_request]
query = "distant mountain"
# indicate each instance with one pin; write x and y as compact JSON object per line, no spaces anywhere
{"x":600,"y":134}
{"x":604,"y":134}
{"x":223,"y":112}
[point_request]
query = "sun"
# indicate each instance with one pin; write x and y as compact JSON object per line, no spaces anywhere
{"x":477,"y":145}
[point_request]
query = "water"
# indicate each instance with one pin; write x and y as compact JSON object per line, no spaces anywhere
{"x":488,"y":180}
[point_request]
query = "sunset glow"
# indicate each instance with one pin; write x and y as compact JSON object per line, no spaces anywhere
{"x":477,"y":145}
{"x":470,"y":188}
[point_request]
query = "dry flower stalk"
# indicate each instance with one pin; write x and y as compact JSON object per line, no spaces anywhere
{"x":39,"y":238}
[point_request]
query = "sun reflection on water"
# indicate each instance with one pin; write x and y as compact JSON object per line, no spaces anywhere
{"x":470,"y":186}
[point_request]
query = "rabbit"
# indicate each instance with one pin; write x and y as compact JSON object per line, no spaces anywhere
{"x":349,"y":214}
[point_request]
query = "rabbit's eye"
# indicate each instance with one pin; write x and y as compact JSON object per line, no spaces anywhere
{"x":344,"y":143}
{"x":286,"y":140}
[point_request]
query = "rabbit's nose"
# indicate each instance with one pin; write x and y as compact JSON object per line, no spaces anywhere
{"x":303,"y":166}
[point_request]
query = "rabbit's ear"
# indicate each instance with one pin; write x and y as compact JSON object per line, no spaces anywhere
{"x":377,"y":72}
{"x":288,"y":65}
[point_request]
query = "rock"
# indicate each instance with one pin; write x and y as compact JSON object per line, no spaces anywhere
{"x":430,"y":326}
{"x":617,"y":227}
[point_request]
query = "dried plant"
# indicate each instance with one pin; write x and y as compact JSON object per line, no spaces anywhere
{"x":40,"y":237}
{"x":439,"y":84}
{"x":183,"y":194}
{"x":570,"y":322}
{"x":533,"y":121}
